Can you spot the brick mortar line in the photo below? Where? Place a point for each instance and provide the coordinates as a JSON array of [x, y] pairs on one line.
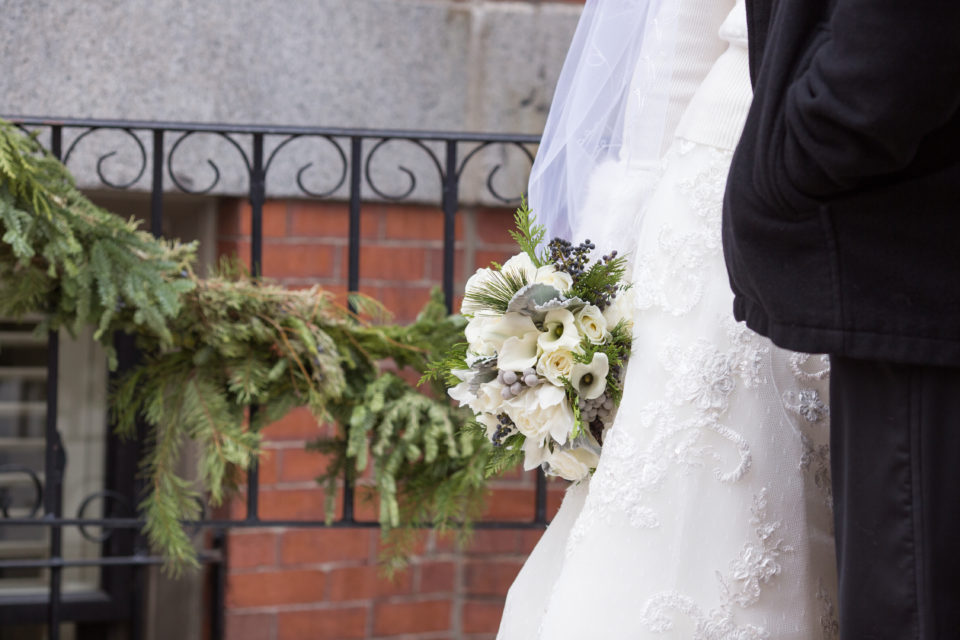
[[345, 604], [334, 565], [342, 240]]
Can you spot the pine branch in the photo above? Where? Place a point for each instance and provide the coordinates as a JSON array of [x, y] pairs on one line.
[[496, 293]]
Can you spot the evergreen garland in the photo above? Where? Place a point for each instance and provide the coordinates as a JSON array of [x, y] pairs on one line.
[[76, 264], [427, 468], [215, 347]]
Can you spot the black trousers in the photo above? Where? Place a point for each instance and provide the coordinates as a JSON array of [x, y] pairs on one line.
[[895, 448]]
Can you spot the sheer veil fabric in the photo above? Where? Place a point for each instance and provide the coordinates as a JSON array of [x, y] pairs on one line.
[[709, 516], [620, 61]]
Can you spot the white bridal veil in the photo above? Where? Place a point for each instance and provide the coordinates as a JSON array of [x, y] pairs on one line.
[[619, 63]]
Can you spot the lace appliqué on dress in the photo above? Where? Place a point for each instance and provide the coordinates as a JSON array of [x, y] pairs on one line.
[[807, 404], [829, 625], [686, 433], [673, 277], [756, 566]]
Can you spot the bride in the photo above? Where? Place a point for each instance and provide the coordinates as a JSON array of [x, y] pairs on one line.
[[709, 515]]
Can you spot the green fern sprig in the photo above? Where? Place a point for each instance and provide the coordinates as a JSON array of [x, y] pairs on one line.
[[529, 235]]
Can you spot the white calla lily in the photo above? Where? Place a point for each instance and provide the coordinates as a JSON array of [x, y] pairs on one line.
[[509, 325], [518, 353], [590, 380], [534, 454], [559, 331]]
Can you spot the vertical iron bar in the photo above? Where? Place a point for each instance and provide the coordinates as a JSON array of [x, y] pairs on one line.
[[156, 189], [219, 588], [56, 141], [353, 243], [353, 282], [540, 515], [257, 197], [451, 188], [138, 597], [55, 456], [53, 489]]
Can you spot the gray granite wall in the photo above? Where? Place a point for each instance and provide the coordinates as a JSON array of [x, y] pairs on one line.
[[466, 65]]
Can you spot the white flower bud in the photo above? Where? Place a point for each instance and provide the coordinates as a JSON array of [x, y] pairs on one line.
[[591, 323]]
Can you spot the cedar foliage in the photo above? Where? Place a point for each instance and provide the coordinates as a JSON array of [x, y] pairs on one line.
[[78, 265], [215, 347]]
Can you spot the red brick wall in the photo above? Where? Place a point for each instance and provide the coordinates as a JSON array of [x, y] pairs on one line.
[[297, 584]]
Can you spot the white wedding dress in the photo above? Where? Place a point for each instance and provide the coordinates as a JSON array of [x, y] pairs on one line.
[[709, 516]]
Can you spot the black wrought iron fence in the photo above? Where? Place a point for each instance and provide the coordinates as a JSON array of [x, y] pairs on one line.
[[35, 503]]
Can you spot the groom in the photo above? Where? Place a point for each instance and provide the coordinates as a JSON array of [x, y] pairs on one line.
[[841, 234]]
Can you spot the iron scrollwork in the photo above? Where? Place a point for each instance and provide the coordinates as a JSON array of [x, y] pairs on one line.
[[6, 500], [213, 165], [106, 156], [303, 169], [493, 172], [413, 178]]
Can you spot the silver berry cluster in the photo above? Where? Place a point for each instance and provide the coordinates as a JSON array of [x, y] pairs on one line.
[[600, 408], [513, 382]]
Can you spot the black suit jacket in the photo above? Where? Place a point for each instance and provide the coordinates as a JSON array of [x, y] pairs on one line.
[[841, 220]]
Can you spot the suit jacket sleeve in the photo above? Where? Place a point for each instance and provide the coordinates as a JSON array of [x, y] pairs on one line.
[[887, 74]]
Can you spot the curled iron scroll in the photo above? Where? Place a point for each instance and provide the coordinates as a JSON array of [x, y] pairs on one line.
[[106, 156], [118, 498], [6, 501], [493, 172], [213, 165], [316, 194], [410, 174]]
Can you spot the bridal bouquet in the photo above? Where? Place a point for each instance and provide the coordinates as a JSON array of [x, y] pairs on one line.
[[546, 345]]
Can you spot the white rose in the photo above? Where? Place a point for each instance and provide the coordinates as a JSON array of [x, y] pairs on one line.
[[541, 412], [476, 335], [475, 283], [591, 323], [621, 309], [521, 264], [572, 464], [559, 280], [555, 365], [487, 399], [560, 331]]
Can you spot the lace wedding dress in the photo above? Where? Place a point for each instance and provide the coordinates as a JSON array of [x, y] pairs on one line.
[[709, 516]]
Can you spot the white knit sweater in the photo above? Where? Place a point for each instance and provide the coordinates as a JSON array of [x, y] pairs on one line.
[[716, 112]]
